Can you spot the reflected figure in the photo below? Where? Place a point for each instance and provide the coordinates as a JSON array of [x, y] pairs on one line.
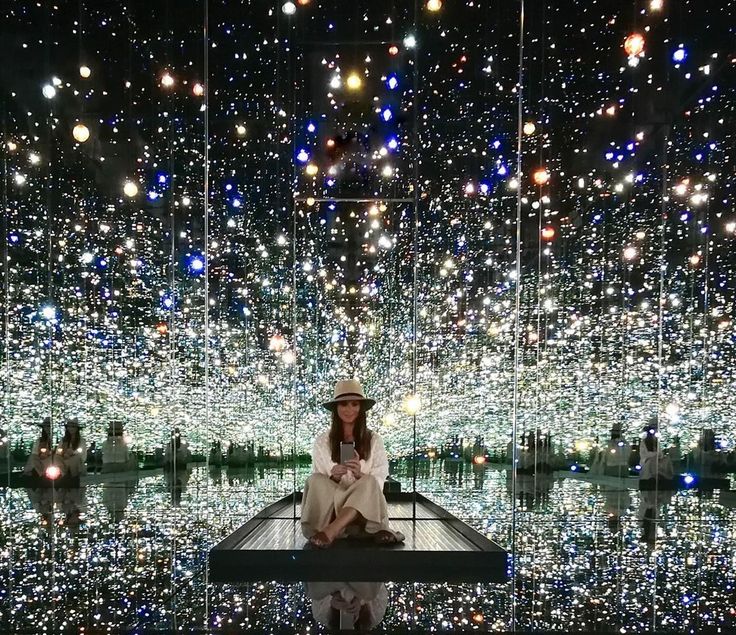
[[348, 605], [176, 482], [613, 459], [40, 458], [531, 490], [116, 457], [616, 503], [215, 457], [71, 455], [4, 448], [705, 459], [479, 475], [177, 453], [656, 467], [116, 496], [239, 456], [651, 505], [69, 500], [455, 470]]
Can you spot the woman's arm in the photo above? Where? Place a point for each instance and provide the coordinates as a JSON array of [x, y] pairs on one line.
[[322, 462]]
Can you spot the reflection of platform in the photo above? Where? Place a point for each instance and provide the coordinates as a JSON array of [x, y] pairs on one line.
[[438, 548]]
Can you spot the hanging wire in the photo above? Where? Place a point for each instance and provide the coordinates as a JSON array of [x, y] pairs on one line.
[[517, 303]]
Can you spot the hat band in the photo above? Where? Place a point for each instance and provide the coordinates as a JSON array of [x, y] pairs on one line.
[[349, 394]]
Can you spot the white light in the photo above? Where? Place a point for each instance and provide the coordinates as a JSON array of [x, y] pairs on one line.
[[335, 82], [48, 91], [410, 41], [87, 257], [85, 71], [130, 189], [19, 178], [630, 253], [34, 158], [48, 313], [167, 80], [289, 8]]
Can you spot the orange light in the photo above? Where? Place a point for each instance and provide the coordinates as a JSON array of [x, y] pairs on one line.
[[479, 460], [634, 44], [198, 89], [541, 176], [303, 3], [548, 233], [53, 472], [162, 328], [434, 5], [330, 143], [393, 50], [277, 343]]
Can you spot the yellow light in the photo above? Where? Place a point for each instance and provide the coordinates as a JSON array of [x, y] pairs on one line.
[[630, 253], [582, 446], [12, 146], [353, 82], [198, 89], [80, 132], [541, 176], [389, 419], [167, 81], [634, 44], [310, 201], [130, 189], [656, 5], [529, 128], [311, 169], [434, 5], [85, 71], [240, 129], [412, 404]]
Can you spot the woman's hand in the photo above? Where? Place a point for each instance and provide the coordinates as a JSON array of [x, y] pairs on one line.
[[354, 466], [338, 471]]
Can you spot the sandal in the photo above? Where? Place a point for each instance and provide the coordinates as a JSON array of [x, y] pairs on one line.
[[384, 537], [320, 540]]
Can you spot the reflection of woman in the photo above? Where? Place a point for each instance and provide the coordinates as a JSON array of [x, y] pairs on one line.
[[72, 452], [116, 456], [348, 605], [347, 498], [41, 453], [654, 463]]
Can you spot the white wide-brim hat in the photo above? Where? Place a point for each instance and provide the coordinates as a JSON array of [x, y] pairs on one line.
[[349, 390]]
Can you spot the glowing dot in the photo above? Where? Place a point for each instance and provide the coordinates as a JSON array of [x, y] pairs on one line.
[[167, 81], [80, 133], [34, 158], [85, 71], [240, 130], [392, 82], [470, 188], [656, 5], [529, 128], [434, 5], [412, 404], [289, 8], [130, 189], [19, 178], [48, 313], [630, 253], [679, 55], [277, 343], [311, 201], [335, 82], [410, 41], [196, 264], [387, 115], [198, 89], [353, 82], [634, 44], [695, 260], [393, 50], [541, 176], [548, 233], [48, 91], [53, 472], [311, 169], [303, 156]]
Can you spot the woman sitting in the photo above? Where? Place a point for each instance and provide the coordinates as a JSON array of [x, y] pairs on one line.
[[42, 452], [71, 455], [116, 456], [655, 465], [342, 498]]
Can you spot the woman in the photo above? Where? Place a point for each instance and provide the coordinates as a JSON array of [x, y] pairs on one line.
[[116, 456], [40, 458], [71, 455], [347, 498]]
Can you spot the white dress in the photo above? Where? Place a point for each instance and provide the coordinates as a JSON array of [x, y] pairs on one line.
[[377, 463]]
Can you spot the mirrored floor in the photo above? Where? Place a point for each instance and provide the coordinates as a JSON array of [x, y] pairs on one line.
[[132, 556]]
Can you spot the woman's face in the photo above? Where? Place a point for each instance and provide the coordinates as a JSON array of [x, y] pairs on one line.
[[348, 411]]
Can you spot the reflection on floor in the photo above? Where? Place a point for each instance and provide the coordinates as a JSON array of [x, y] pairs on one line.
[[132, 555]]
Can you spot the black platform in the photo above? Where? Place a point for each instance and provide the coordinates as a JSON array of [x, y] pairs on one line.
[[438, 548]]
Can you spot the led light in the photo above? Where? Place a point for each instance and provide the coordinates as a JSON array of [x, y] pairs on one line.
[[85, 71], [289, 8]]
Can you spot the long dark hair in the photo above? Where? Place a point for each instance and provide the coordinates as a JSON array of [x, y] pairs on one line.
[[361, 434], [69, 441], [44, 441]]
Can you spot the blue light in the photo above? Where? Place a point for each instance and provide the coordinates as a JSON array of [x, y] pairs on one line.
[[609, 155], [229, 187], [236, 202], [311, 127], [102, 263], [502, 171], [13, 238], [496, 144], [162, 179], [393, 143], [196, 264], [167, 302], [573, 468], [303, 156], [152, 195], [387, 115], [484, 188], [688, 479], [392, 82], [679, 55]]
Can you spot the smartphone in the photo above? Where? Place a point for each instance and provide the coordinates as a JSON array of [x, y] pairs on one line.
[[347, 451], [347, 621]]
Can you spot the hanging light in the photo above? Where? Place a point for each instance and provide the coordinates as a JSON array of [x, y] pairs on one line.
[[434, 5], [541, 176], [130, 189], [634, 44], [85, 71], [529, 128], [80, 133]]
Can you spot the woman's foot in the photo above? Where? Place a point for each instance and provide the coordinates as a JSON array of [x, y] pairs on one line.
[[384, 537], [320, 540]]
